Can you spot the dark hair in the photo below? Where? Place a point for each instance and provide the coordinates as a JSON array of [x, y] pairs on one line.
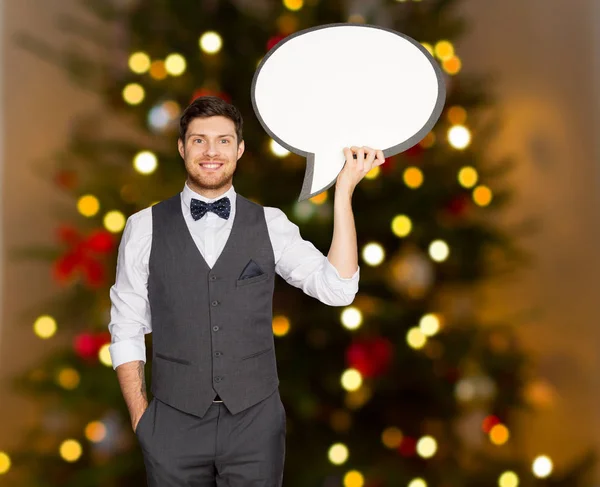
[[210, 106]]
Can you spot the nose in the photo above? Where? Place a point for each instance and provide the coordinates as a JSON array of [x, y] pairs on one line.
[[212, 149]]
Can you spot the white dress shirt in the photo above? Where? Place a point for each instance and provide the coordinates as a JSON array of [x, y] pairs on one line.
[[297, 261]]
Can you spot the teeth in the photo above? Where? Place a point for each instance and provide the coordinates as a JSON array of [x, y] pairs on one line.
[[211, 166]]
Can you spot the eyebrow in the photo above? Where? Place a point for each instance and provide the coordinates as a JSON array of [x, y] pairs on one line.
[[204, 135]]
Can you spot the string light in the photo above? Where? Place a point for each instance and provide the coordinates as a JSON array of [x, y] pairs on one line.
[[281, 325], [444, 50], [508, 479], [542, 466], [467, 177], [459, 136], [175, 64], [351, 379], [319, 199], [439, 250], [401, 225], [158, 70], [456, 115], [452, 65], [293, 5], [338, 453], [429, 324], [139, 62], [210, 42], [4, 462], [499, 434], [413, 177], [429, 48], [68, 378], [145, 162], [114, 221], [373, 254], [353, 478], [482, 195], [44, 326], [392, 437], [351, 318], [104, 355], [277, 149], [418, 482], [426, 446], [95, 431], [88, 205], [133, 93], [70, 450], [415, 338]]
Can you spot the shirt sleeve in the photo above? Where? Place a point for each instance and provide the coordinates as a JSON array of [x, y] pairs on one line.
[[130, 308], [304, 266]]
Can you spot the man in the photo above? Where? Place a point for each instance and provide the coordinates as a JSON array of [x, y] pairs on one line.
[[197, 270]]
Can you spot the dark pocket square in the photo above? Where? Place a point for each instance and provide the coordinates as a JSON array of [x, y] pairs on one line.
[[252, 269]]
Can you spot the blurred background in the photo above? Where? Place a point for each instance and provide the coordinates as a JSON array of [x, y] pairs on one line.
[[480, 282]]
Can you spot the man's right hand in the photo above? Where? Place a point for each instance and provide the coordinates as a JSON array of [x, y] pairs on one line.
[[133, 385], [136, 419]]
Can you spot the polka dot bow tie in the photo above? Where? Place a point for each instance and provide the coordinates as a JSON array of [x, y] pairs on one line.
[[221, 207]]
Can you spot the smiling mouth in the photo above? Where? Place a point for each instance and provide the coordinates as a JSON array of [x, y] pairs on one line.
[[210, 166]]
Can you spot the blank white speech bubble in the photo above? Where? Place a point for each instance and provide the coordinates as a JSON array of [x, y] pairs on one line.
[[338, 85]]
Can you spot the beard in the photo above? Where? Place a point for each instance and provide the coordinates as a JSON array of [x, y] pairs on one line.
[[208, 181]]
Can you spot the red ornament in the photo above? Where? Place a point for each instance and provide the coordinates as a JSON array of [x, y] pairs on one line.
[[208, 92], [489, 422], [66, 179], [408, 446], [101, 339], [371, 356], [274, 40], [388, 166], [458, 205], [83, 256], [85, 346]]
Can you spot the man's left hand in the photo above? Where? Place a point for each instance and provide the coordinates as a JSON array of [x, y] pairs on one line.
[[356, 169]]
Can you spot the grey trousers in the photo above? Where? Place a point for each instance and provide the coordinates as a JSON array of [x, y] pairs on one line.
[[242, 450]]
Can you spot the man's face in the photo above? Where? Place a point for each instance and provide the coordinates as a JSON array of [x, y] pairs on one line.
[[210, 140]]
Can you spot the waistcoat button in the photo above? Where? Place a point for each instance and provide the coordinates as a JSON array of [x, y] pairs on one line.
[[218, 354], [218, 378], [212, 278], [215, 328], [214, 303]]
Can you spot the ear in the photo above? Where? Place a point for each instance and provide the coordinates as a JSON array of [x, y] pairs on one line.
[[241, 148], [181, 148]]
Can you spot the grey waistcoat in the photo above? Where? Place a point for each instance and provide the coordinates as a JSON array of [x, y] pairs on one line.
[[212, 332]]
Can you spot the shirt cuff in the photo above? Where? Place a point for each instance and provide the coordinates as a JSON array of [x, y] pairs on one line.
[[127, 351], [349, 285]]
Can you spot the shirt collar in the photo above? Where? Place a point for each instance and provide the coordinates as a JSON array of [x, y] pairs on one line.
[[187, 194]]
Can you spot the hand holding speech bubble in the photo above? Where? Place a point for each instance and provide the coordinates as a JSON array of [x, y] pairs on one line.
[[341, 85]]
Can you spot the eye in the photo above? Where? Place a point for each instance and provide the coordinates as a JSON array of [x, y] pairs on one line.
[[196, 140], [226, 140]]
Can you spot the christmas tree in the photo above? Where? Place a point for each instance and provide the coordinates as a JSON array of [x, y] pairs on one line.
[[406, 386]]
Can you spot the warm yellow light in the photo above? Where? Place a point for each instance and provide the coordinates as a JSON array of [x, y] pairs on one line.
[[452, 65], [210, 42], [373, 254], [508, 479], [482, 195], [70, 450], [373, 173], [464, 390], [338, 453], [351, 379], [158, 70], [114, 221], [356, 19], [354, 479], [139, 62], [456, 115], [439, 250], [68, 378], [287, 23], [415, 338], [293, 5], [413, 177], [133, 93], [277, 149], [392, 437], [44, 326], [444, 50], [542, 466], [401, 225], [467, 177], [499, 434], [319, 199], [418, 482], [95, 431], [104, 355], [4, 462], [351, 318], [88, 205], [358, 398], [145, 162], [281, 325], [429, 324], [175, 64], [459, 136], [426, 446], [429, 48]]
